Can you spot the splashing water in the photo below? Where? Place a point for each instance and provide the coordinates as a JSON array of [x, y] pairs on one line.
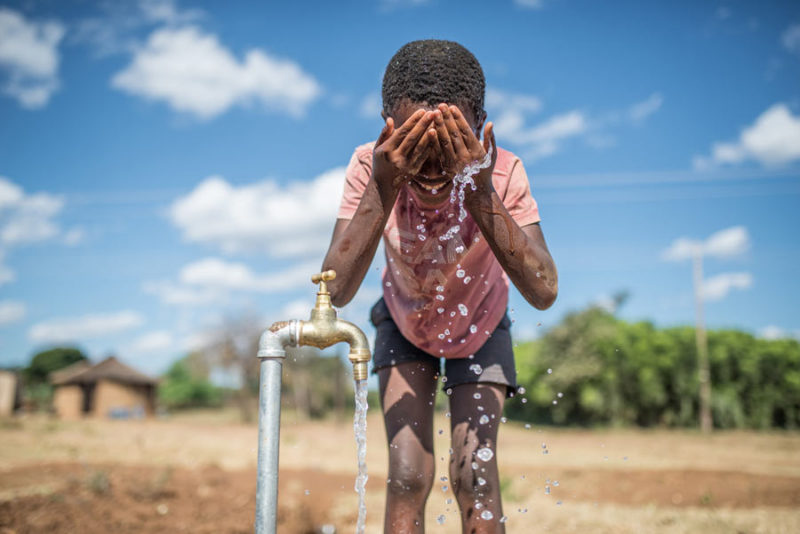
[[360, 428], [460, 182]]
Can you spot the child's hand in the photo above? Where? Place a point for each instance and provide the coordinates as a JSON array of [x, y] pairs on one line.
[[458, 146], [399, 153]]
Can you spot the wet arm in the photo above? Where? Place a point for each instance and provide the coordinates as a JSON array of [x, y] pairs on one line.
[[521, 251], [355, 241]]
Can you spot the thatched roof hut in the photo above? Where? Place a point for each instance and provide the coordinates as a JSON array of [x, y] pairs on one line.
[[107, 389]]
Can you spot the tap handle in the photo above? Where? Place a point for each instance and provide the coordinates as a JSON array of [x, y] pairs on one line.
[[325, 276]]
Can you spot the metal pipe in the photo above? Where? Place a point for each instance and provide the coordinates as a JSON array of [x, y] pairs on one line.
[[272, 351], [322, 330]]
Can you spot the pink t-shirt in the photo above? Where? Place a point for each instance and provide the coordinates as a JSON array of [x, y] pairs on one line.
[[446, 297]]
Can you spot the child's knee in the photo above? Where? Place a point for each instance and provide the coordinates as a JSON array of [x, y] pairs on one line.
[[410, 479]]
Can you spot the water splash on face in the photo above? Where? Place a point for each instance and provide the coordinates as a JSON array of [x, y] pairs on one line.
[[460, 182]]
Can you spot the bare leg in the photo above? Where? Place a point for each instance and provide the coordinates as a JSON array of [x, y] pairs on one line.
[[407, 393], [477, 490]]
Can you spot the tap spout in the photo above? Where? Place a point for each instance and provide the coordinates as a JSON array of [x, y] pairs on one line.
[[324, 330]]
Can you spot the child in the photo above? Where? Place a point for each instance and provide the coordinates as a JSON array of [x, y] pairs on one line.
[[446, 281]]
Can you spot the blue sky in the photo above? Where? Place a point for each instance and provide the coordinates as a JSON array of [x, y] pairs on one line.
[[167, 166]]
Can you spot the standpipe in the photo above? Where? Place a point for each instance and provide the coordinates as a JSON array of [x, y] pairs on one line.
[[322, 330]]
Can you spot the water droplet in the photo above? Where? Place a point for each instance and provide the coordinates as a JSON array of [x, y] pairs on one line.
[[476, 368], [485, 454], [560, 394], [440, 519], [524, 400], [443, 479], [447, 331], [439, 288], [307, 492], [484, 419], [476, 395], [503, 420], [441, 336], [555, 401], [452, 314], [441, 431], [478, 505], [449, 501], [473, 329], [487, 515], [474, 466], [538, 274], [388, 284], [547, 490], [459, 249], [463, 310], [555, 482], [444, 487], [439, 297], [549, 371], [527, 425], [421, 237], [481, 481], [440, 310], [503, 519], [521, 390], [460, 273]]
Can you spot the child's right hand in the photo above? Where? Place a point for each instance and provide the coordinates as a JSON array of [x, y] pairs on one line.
[[399, 153]]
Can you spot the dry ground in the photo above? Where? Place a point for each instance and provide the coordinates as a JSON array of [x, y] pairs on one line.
[[197, 474]]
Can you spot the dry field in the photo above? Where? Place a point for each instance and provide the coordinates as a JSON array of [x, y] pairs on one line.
[[197, 474]]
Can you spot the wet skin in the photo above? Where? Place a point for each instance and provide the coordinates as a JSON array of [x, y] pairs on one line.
[[417, 144], [423, 148]]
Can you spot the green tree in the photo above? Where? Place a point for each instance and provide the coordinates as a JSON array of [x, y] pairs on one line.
[[45, 362], [181, 388]]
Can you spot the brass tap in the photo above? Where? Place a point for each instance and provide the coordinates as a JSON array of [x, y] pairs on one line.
[[324, 328]]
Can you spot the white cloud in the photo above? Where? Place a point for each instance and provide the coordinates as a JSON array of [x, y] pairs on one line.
[[171, 293], [84, 327], [296, 219], [530, 4], [772, 332], [153, 341], [220, 274], [511, 114], [773, 139], [540, 140], [194, 73], [371, 106], [167, 11], [29, 57], [11, 311], [641, 110], [212, 280], [725, 243], [74, 236], [717, 287], [26, 218], [791, 38]]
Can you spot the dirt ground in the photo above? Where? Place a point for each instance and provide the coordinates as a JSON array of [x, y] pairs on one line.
[[197, 474]]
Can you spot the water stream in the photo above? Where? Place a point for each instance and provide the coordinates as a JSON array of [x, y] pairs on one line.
[[360, 428]]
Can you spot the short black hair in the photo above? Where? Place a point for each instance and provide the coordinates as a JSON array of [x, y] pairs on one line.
[[433, 71]]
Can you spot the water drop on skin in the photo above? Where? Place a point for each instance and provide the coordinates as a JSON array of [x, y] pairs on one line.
[[467, 279], [549, 371], [481, 481], [473, 329], [484, 419], [460, 273], [463, 310], [476, 396], [440, 519], [485, 454], [486, 515], [476, 368]]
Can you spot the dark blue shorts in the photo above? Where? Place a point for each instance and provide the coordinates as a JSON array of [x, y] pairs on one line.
[[495, 357]]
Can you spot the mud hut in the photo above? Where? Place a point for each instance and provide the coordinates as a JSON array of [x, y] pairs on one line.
[[107, 389]]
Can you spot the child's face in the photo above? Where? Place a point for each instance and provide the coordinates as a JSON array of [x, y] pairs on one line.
[[431, 186]]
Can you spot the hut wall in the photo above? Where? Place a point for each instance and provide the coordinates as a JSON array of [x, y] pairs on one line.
[[114, 398], [68, 402], [8, 392]]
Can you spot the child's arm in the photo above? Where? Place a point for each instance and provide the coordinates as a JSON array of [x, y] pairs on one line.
[[398, 153], [522, 252]]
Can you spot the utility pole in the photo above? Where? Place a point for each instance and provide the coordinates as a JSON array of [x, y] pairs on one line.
[[703, 373]]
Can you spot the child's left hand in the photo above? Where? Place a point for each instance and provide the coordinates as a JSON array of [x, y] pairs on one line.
[[458, 146]]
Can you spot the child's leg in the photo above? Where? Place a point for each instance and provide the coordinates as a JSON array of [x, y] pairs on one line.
[[477, 490], [408, 392]]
